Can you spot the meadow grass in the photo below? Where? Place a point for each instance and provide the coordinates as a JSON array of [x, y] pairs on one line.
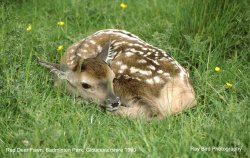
[[199, 34]]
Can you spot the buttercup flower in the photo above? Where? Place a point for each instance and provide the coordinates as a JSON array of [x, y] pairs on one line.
[[217, 69], [123, 5], [60, 23], [26, 142], [229, 85], [29, 28], [59, 48]]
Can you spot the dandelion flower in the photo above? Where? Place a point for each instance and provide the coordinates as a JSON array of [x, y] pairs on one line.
[[217, 69], [59, 48], [60, 23], [123, 5], [29, 28], [229, 85]]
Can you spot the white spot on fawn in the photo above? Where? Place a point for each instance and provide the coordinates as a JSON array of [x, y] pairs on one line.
[[128, 54], [138, 45], [138, 79], [132, 50], [166, 74], [142, 61], [144, 72], [118, 43], [151, 67], [157, 79], [150, 81], [155, 62], [165, 54], [160, 71], [99, 48], [123, 67], [92, 42], [72, 51], [86, 45], [118, 63], [182, 74], [79, 54], [83, 50], [133, 70], [120, 71]]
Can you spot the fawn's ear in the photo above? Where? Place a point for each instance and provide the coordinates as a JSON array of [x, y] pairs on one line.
[[59, 70], [105, 51]]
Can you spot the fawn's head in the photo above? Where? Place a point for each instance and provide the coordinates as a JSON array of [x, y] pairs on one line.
[[91, 79]]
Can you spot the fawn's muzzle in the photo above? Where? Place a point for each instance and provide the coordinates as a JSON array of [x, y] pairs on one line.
[[112, 100], [112, 103]]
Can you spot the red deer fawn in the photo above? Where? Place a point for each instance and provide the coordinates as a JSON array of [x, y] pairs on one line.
[[126, 75]]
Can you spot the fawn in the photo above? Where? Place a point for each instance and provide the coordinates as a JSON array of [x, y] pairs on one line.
[[126, 75]]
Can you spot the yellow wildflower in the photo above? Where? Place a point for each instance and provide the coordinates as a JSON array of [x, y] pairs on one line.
[[59, 48], [29, 28], [123, 5], [229, 85], [217, 69], [60, 23]]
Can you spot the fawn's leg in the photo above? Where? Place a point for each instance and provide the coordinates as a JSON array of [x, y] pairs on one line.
[[138, 108], [136, 100], [176, 96]]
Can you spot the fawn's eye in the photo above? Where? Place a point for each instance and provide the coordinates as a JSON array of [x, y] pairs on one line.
[[86, 86]]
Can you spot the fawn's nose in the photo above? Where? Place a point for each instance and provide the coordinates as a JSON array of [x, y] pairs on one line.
[[112, 100], [114, 105]]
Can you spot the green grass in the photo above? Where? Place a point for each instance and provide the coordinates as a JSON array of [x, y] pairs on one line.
[[199, 34]]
